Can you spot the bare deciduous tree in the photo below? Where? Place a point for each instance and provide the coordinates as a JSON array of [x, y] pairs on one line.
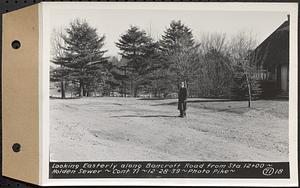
[[215, 76], [241, 47], [57, 53], [215, 41]]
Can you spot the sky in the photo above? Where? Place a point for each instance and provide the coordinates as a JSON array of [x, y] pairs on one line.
[[113, 23]]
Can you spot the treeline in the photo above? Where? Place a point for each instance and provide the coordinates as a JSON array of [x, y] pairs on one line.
[[212, 66]]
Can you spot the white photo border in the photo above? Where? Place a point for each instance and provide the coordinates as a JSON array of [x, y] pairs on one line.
[[45, 9]]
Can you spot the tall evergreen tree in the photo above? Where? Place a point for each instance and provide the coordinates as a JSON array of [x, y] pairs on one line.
[[180, 52], [176, 37], [137, 48], [85, 55]]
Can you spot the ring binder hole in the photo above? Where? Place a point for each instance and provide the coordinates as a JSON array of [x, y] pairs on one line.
[[16, 147], [16, 44]]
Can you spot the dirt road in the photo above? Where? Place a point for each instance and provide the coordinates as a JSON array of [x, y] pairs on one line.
[[108, 129]]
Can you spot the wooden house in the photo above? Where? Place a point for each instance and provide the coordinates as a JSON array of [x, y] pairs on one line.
[[272, 62]]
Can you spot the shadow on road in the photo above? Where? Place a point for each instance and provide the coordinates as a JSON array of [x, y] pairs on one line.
[[151, 99], [195, 101], [67, 98], [144, 116], [237, 110]]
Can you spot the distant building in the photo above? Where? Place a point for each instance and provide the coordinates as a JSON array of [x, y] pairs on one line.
[[272, 61]]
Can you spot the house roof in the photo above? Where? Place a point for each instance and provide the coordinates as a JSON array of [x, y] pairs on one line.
[[274, 50], [283, 27]]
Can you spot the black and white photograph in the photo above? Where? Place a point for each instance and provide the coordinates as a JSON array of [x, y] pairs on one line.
[[169, 85]]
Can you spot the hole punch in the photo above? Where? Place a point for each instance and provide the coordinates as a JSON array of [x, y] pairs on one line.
[[16, 44], [16, 147]]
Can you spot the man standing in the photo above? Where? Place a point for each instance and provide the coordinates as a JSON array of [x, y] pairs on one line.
[[182, 96]]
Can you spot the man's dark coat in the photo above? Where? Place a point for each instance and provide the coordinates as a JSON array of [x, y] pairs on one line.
[[182, 96]]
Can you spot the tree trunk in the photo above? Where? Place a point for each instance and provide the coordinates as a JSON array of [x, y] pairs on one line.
[[62, 88], [81, 88], [122, 89], [84, 91], [124, 85], [249, 91], [131, 88], [135, 93], [155, 93]]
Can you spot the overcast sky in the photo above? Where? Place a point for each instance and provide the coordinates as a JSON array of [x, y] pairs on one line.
[[113, 23]]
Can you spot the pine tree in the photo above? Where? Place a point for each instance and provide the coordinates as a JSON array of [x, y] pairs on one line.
[[84, 56], [180, 51], [176, 37], [138, 49]]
